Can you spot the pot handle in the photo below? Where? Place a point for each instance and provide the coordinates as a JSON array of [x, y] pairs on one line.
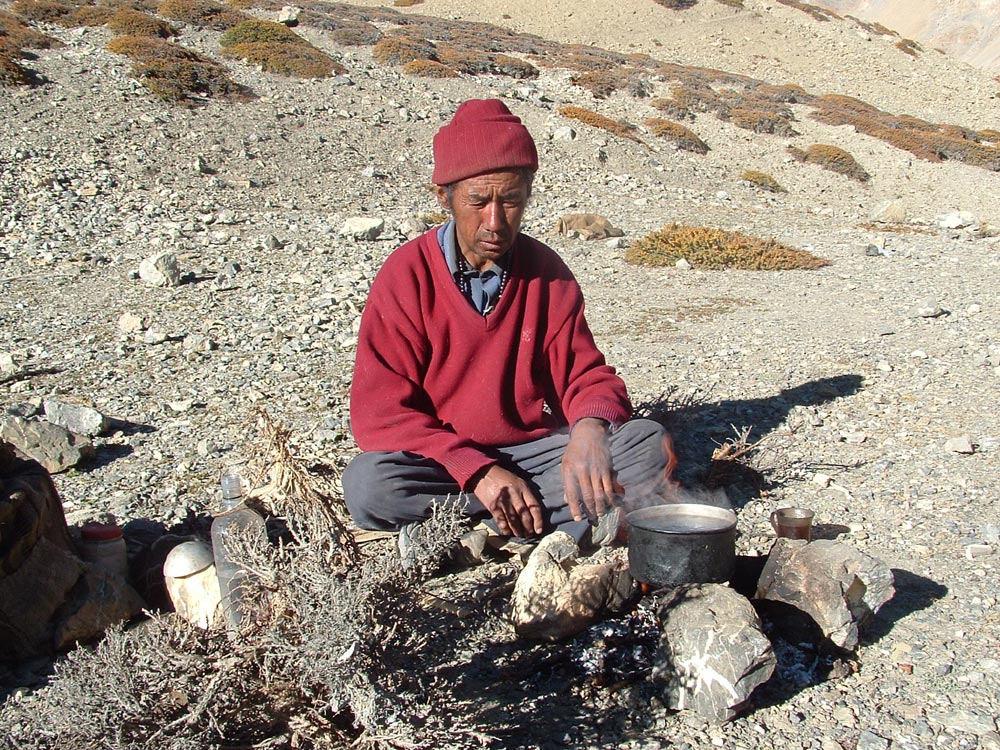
[[774, 522]]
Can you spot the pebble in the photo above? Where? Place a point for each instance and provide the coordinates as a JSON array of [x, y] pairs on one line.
[[868, 740], [960, 444]]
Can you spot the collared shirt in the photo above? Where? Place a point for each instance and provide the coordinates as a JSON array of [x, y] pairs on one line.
[[481, 288]]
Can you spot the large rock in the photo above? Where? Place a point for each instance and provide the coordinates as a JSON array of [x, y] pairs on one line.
[[836, 585], [362, 228], [49, 597], [713, 652], [160, 270], [54, 447], [555, 597], [79, 419]]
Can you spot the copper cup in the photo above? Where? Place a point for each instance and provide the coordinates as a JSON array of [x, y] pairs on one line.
[[793, 523]]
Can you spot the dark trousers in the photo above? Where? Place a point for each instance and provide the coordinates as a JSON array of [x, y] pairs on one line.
[[386, 490]]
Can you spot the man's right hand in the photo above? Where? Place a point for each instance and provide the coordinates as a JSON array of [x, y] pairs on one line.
[[510, 501]]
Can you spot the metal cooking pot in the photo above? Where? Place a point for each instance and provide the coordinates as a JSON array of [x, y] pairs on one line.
[[677, 543]]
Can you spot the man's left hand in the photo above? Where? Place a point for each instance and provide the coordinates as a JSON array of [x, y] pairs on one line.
[[588, 477]]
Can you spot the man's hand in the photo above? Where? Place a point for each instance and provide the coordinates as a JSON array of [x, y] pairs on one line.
[[588, 479], [510, 501]]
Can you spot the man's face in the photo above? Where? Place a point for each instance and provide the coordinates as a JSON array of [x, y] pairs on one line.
[[487, 210]]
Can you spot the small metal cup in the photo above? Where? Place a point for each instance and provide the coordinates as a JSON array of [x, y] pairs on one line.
[[793, 523]]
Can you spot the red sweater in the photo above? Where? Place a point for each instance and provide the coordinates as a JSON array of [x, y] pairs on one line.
[[434, 377]]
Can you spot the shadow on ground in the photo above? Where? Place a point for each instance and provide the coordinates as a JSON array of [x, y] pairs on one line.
[[698, 428]]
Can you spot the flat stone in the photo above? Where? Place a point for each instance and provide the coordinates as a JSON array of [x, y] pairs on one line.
[[927, 308], [587, 227], [973, 722], [712, 653], [870, 741], [837, 586], [130, 322]]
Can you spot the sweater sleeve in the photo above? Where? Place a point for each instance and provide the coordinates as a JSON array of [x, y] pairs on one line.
[[390, 410], [587, 385]]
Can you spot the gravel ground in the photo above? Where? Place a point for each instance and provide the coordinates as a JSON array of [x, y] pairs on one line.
[[857, 392]]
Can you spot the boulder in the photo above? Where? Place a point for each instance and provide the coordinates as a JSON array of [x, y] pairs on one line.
[[52, 446], [712, 652], [836, 585], [362, 228], [160, 270], [555, 597], [49, 597], [78, 419]]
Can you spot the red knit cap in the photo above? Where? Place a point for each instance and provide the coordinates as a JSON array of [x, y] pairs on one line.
[[483, 136]]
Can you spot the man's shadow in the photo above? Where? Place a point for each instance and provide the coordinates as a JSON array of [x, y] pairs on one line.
[[700, 428]]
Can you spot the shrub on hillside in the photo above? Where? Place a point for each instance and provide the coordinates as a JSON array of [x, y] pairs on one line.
[[128, 21], [15, 37], [677, 4], [43, 11], [12, 73], [909, 46], [709, 248], [90, 15], [202, 13], [762, 180], [832, 158], [760, 121], [820, 14], [254, 30], [682, 137], [479, 63], [175, 73], [603, 83], [672, 108], [406, 3], [620, 129], [300, 60], [400, 49], [429, 69]]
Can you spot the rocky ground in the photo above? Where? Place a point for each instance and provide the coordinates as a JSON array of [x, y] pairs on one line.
[[874, 380]]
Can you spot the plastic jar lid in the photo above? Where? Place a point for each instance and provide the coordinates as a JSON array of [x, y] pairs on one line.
[[100, 532]]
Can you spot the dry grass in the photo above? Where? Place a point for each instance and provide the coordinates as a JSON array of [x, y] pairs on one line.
[[128, 21], [672, 108], [709, 248], [594, 120], [762, 180], [478, 63], [175, 73], [91, 15], [832, 158], [15, 38], [761, 121], [406, 3], [603, 83], [205, 14], [682, 137]]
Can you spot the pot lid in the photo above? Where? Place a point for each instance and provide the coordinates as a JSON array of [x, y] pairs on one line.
[[683, 518]]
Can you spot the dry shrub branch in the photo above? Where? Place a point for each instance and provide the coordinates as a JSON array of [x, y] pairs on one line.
[[329, 658]]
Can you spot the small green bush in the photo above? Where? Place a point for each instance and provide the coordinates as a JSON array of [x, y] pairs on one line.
[[832, 158], [128, 21], [762, 180], [684, 138], [708, 248], [594, 120]]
